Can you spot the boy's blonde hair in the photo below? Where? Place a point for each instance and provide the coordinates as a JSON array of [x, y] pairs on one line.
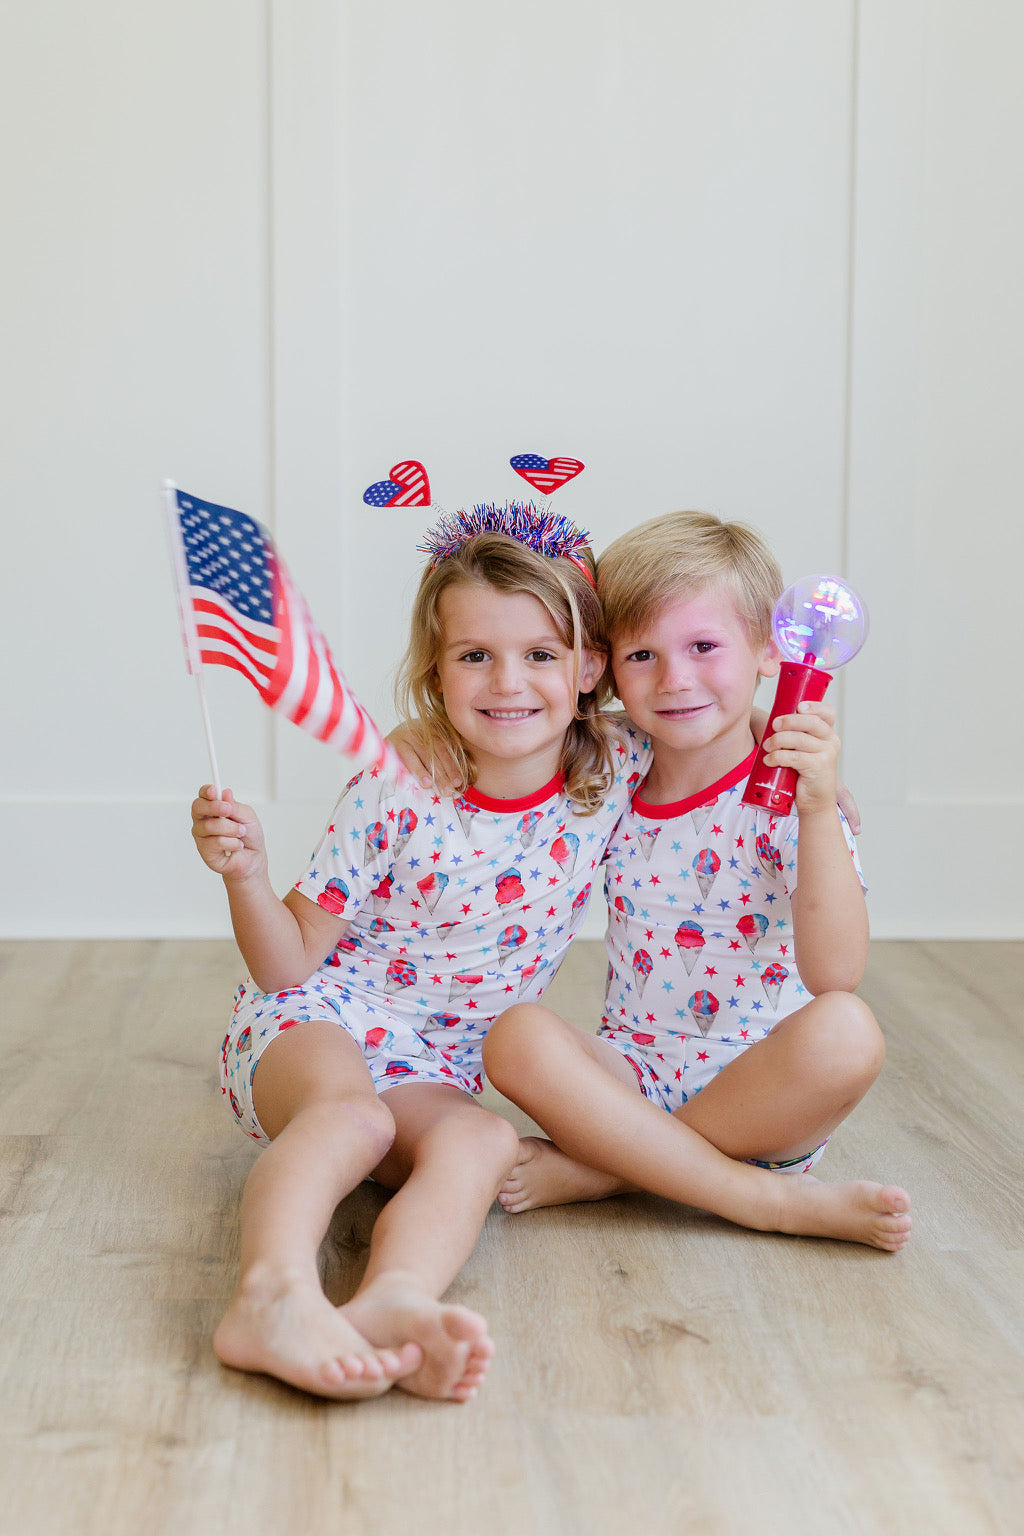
[[501, 562], [676, 555]]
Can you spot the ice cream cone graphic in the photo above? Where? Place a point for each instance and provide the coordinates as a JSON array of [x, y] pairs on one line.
[[444, 929], [565, 851], [431, 888], [527, 826], [508, 887], [706, 866], [622, 907], [768, 855], [510, 939], [643, 965], [700, 814], [400, 974], [773, 980], [333, 896], [579, 901], [441, 1021], [529, 973], [376, 841], [689, 942], [407, 820], [381, 894], [465, 810], [463, 982], [378, 1040], [647, 837], [704, 1007], [379, 926], [752, 926]]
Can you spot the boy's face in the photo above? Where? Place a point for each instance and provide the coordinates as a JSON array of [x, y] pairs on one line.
[[688, 678]]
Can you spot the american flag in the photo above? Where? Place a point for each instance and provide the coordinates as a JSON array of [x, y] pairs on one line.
[[240, 609], [545, 475]]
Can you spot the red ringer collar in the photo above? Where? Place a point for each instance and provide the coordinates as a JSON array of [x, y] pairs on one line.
[[489, 803], [678, 807]]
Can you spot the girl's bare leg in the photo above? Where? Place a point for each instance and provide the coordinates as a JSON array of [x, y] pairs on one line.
[[315, 1098], [596, 1117], [448, 1161]]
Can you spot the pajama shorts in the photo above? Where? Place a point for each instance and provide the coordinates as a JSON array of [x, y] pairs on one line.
[[691, 1061], [393, 1050]]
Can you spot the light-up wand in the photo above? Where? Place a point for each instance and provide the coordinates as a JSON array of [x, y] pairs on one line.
[[819, 622]]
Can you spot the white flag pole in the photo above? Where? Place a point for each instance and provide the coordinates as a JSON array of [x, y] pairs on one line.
[[186, 614]]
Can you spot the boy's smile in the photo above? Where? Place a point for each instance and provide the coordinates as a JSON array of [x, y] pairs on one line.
[[687, 679]]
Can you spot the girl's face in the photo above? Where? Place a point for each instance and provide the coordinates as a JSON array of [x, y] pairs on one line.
[[505, 675]]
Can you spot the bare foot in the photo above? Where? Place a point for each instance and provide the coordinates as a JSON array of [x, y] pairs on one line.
[[543, 1175], [858, 1212], [455, 1345], [284, 1326]]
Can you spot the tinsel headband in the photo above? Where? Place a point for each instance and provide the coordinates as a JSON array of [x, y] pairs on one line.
[[547, 532]]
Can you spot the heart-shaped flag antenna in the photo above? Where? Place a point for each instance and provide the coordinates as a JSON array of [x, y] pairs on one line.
[[407, 486], [546, 475]]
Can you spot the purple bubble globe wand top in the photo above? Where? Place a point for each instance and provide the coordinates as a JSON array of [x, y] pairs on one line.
[[819, 622]]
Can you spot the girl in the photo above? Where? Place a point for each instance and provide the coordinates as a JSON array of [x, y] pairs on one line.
[[355, 1047]]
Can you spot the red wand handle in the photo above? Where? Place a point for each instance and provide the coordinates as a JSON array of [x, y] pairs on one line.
[[773, 788]]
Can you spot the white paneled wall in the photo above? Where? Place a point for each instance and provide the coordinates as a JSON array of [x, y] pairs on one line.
[[759, 257]]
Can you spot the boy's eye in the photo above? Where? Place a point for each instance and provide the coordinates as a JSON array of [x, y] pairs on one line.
[[542, 655], [704, 647], [640, 655]]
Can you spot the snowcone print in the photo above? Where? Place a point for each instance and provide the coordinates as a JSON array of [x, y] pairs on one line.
[[706, 866], [700, 813], [632, 784], [565, 851], [377, 1040], [511, 938], [579, 905], [768, 855], [353, 781], [376, 841], [753, 926], [509, 887], [643, 965], [380, 926], [463, 982], [647, 837], [530, 973], [333, 896], [440, 1021], [244, 1041], [431, 887], [527, 826], [704, 1006], [381, 894], [465, 810], [444, 929], [400, 974], [623, 907], [773, 980], [407, 820], [689, 942]]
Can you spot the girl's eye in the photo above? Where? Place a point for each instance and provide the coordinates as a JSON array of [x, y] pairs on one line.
[[705, 647], [639, 656], [474, 656], [542, 656]]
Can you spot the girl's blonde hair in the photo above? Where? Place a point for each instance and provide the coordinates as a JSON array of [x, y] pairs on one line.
[[501, 562], [678, 554]]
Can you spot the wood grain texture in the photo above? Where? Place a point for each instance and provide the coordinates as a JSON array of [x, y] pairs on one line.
[[658, 1371]]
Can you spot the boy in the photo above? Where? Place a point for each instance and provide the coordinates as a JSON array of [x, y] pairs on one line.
[[735, 940]]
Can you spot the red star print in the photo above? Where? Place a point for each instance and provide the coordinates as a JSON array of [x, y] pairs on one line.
[[709, 970], [744, 898], [735, 944], [436, 799], [435, 857], [470, 1003], [739, 982], [702, 1055], [655, 879], [551, 912], [466, 909], [679, 1075], [744, 1034], [739, 842], [618, 879], [436, 980], [650, 1018], [552, 879], [717, 831], [649, 932], [509, 989], [665, 955], [374, 772], [783, 949], [391, 815]]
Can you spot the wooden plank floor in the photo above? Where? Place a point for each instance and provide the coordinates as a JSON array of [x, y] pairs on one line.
[[658, 1371]]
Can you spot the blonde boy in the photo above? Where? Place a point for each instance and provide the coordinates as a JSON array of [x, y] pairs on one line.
[[736, 939]]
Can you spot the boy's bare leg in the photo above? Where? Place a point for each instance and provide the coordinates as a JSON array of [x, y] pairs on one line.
[[314, 1096], [449, 1159], [596, 1118]]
